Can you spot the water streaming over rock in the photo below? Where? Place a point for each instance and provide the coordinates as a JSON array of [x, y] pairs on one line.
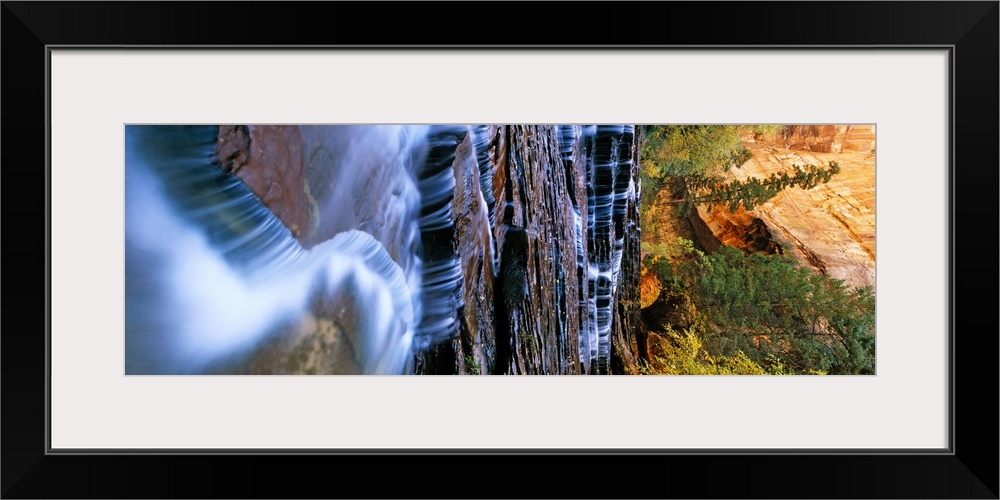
[[396, 261], [442, 268], [211, 272]]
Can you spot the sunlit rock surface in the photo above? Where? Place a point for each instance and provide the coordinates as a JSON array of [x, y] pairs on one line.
[[823, 138], [830, 227]]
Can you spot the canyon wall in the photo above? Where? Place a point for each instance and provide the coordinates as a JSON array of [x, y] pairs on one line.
[[516, 209], [821, 138], [830, 227]]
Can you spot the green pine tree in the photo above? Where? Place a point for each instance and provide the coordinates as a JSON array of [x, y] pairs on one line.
[[748, 193]]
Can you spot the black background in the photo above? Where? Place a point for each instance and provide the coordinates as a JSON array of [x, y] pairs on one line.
[[971, 472]]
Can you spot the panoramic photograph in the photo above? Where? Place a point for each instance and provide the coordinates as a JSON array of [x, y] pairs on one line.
[[499, 249]]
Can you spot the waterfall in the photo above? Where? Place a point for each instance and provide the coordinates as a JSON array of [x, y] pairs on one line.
[[217, 282], [442, 268], [623, 178], [210, 272], [610, 145], [482, 143]]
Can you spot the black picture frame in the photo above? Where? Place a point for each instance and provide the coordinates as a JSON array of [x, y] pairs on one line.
[[968, 470]]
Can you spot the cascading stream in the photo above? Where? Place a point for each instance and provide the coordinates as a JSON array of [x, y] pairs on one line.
[[211, 272], [217, 283]]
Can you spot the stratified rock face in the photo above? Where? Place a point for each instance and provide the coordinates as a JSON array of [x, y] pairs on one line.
[[472, 213], [823, 138], [741, 229], [628, 342], [830, 227], [552, 303], [525, 240], [540, 287]]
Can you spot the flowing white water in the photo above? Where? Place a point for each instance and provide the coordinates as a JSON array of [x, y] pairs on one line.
[[606, 146], [210, 271], [212, 274]]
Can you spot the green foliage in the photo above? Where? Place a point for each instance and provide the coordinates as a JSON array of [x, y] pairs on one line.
[[684, 354], [660, 255], [783, 318], [671, 150], [689, 161], [527, 341], [771, 309], [681, 150], [471, 367], [732, 312], [702, 190], [667, 251]]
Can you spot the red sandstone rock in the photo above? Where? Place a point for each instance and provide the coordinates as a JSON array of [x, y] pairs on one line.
[[830, 227], [823, 138], [268, 158]]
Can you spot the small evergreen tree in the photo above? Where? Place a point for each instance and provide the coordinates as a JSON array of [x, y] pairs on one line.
[[705, 190], [774, 311]]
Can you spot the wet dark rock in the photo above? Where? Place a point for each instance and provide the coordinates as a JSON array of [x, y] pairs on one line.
[[320, 180], [470, 347], [542, 312], [472, 212], [512, 288], [528, 243], [233, 149], [628, 339], [545, 323], [268, 159], [437, 335]]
